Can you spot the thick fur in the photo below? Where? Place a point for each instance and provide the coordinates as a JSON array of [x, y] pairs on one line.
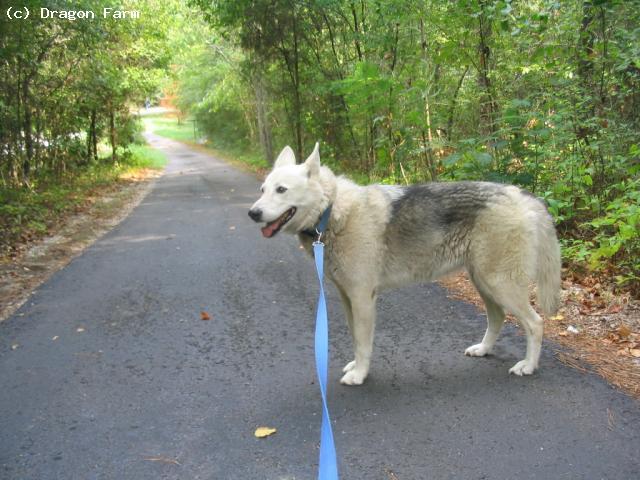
[[387, 236]]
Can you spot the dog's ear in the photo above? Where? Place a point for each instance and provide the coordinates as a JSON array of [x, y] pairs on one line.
[[313, 162], [286, 157]]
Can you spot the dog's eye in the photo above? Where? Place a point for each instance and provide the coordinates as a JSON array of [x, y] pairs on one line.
[[262, 189], [281, 189]]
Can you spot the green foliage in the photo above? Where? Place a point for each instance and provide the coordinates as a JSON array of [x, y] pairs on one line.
[[542, 94], [26, 213], [30, 212], [212, 89], [615, 234], [67, 85]]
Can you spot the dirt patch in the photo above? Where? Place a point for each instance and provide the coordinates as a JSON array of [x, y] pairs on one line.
[[596, 330], [33, 262]]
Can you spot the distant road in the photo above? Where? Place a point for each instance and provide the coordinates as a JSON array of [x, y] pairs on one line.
[[108, 371], [143, 112]]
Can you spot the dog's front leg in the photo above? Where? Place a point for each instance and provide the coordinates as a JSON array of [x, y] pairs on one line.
[[363, 311]]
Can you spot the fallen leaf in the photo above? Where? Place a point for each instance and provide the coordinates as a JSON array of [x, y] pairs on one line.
[[615, 309], [624, 331], [635, 352], [563, 334], [204, 316], [262, 432], [558, 317]]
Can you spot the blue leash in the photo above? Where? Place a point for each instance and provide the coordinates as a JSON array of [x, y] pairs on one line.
[[328, 465]]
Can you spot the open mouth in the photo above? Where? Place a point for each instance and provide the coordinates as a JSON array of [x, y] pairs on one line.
[[271, 228]]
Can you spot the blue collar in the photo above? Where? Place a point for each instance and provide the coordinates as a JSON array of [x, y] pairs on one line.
[[321, 226]]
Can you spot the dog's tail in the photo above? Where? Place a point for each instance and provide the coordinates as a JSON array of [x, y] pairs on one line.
[[548, 270]]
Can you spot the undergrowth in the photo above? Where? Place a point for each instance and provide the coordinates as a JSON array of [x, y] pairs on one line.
[[27, 213]]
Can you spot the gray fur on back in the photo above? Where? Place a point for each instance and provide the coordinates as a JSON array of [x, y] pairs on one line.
[[442, 205], [430, 225]]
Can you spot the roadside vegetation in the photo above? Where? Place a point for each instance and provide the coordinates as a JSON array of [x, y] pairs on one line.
[[30, 213], [542, 94], [69, 91]]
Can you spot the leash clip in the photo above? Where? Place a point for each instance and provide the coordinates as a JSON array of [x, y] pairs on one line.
[[322, 225]]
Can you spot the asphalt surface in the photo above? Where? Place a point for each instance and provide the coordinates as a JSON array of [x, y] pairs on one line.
[[108, 372]]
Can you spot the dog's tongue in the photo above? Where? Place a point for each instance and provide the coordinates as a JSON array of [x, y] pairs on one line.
[[270, 229]]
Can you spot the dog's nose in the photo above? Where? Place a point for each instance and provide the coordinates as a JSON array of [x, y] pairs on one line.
[[255, 214]]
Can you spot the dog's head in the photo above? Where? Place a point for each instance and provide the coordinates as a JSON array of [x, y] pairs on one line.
[[292, 195]]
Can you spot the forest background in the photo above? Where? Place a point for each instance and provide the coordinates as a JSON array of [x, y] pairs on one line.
[[543, 94]]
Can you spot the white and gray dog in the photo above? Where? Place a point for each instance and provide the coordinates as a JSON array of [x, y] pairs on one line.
[[381, 236]]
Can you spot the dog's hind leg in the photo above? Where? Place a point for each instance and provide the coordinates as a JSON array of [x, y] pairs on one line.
[[516, 301], [500, 294], [533, 327], [495, 320], [363, 308]]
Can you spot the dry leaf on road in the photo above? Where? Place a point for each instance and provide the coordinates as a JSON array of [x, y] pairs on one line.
[[262, 432], [204, 316]]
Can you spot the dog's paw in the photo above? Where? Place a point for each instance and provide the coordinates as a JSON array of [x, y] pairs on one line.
[[353, 377], [478, 350], [523, 367], [349, 366]]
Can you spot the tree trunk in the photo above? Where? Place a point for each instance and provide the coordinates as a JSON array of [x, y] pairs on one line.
[[292, 62], [452, 105], [297, 105], [112, 133], [488, 107], [586, 40], [356, 30], [94, 135], [264, 128], [428, 142], [28, 137]]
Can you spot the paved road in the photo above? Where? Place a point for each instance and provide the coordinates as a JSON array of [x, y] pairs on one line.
[[147, 390]]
